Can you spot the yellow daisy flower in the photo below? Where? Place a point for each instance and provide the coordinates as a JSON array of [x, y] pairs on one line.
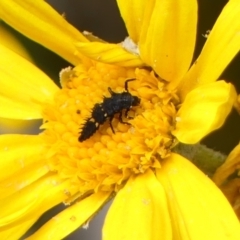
[[158, 193]]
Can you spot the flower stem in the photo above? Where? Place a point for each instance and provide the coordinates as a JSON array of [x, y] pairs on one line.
[[204, 158]]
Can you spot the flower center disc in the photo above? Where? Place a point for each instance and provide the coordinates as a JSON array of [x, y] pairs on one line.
[[106, 160]]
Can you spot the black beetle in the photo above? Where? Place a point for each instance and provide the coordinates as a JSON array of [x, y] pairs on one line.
[[110, 106]]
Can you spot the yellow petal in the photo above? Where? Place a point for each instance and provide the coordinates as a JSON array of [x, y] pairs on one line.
[[197, 207], [133, 12], [27, 200], [41, 23], [18, 152], [228, 167], [109, 53], [16, 230], [139, 211], [23, 87], [222, 45], [165, 32], [49, 197], [23, 178], [204, 110], [10, 39], [71, 218]]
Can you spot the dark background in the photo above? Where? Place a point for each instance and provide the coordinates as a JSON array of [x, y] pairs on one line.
[[102, 18]]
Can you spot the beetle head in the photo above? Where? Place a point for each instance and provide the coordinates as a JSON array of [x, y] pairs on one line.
[[136, 101]]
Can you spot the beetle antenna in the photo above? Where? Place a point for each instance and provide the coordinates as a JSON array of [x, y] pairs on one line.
[[127, 81]]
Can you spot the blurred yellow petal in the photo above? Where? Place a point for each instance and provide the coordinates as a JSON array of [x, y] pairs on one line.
[[204, 110], [17, 229], [23, 87], [237, 104], [18, 152], [28, 199], [231, 165], [165, 32], [49, 198], [194, 202], [139, 211], [71, 218], [222, 45], [109, 53], [10, 40], [23, 178], [41, 23]]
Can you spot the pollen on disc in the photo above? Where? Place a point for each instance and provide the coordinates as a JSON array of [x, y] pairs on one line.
[[98, 146], [111, 145], [105, 139], [122, 127], [73, 152], [91, 152], [122, 147], [72, 126], [117, 137], [66, 118], [66, 136], [59, 128], [124, 137], [83, 152]]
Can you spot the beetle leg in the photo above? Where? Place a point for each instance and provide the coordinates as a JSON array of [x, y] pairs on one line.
[[121, 121], [126, 114], [111, 91], [110, 122]]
